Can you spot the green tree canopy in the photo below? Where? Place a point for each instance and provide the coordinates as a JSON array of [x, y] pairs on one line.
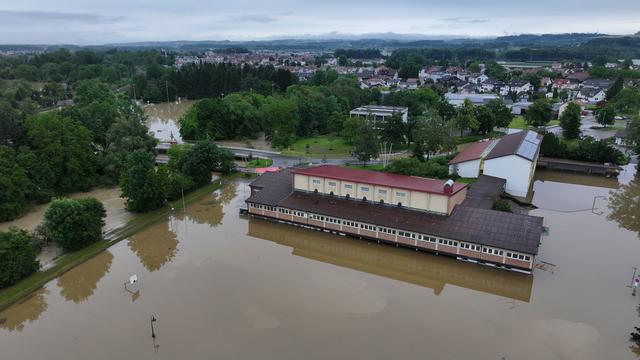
[[143, 186], [539, 114], [466, 117], [570, 121], [606, 115], [14, 185], [366, 143], [18, 252], [75, 223], [202, 159], [64, 153], [281, 119]]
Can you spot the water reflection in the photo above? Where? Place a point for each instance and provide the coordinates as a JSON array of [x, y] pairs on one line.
[[400, 264], [577, 179], [156, 245], [209, 210], [29, 309], [79, 283], [163, 119], [625, 205]]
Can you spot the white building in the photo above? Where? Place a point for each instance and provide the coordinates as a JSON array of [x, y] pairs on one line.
[[468, 163], [476, 99], [379, 112], [513, 158]]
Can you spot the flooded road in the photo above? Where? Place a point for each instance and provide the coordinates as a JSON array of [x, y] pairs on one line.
[[163, 119], [226, 286]]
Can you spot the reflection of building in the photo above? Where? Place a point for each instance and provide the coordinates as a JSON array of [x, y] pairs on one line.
[[434, 217], [380, 113], [398, 264]]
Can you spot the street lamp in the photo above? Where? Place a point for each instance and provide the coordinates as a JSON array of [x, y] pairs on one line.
[[153, 333]]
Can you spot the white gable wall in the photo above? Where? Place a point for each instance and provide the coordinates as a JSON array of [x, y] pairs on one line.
[[466, 169], [516, 170]]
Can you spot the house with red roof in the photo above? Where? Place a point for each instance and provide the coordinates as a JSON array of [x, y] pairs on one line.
[[468, 162]]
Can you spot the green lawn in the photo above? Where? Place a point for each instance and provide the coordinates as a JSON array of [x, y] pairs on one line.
[[608, 128], [519, 123], [258, 163], [331, 146]]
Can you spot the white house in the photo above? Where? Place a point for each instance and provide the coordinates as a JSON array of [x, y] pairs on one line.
[[476, 99], [468, 162], [514, 159], [592, 95]]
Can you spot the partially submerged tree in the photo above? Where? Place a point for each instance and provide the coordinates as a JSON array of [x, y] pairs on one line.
[[75, 223]]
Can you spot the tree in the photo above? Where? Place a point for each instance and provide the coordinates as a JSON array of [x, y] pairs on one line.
[[486, 119], [281, 120], [14, 185], [127, 134], [366, 143], [615, 88], [143, 186], [539, 114], [501, 113], [12, 131], [634, 134], [64, 153], [202, 159], [18, 253], [392, 130], [606, 115], [75, 223], [570, 121], [466, 117], [431, 135], [628, 101]]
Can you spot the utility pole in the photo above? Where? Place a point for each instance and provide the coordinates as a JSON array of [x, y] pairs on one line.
[[153, 332]]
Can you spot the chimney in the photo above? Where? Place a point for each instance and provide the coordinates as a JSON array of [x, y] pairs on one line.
[[448, 187]]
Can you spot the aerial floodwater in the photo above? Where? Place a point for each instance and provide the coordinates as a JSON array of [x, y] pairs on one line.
[[162, 119], [223, 285]]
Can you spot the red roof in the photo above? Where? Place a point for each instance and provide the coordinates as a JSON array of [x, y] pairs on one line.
[[412, 183], [471, 152]]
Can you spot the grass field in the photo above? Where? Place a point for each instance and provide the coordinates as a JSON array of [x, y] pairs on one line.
[[331, 146], [258, 163], [519, 123]]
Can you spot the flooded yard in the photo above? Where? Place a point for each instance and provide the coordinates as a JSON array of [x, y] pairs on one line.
[[163, 119], [226, 286]]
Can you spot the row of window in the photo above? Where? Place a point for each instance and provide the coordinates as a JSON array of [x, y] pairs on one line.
[[406, 234], [448, 242], [471, 247], [518, 256], [362, 188], [492, 251]]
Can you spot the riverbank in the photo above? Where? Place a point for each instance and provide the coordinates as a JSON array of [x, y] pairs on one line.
[[66, 262]]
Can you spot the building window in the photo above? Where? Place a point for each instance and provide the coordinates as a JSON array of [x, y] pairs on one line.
[[332, 183], [382, 192], [364, 189], [400, 194], [316, 182], [348, 186]]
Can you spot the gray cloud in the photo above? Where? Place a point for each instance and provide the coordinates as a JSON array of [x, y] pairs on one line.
[[12, 16]]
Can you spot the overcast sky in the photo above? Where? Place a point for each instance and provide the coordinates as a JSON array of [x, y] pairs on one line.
[[109, 21]]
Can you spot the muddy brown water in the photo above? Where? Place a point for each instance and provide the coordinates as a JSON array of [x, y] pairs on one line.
[[162, 119], [225, 286]]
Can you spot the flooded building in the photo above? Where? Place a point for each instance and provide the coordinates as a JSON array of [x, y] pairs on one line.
[[513, 157], [424, 214], [380, 113]]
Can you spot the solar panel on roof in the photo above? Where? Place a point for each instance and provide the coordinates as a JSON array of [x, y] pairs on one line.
[[532, 137], [527, 150]]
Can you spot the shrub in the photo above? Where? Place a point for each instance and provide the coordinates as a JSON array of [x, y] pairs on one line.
[[502, 205], [18, 252], [75, 223]]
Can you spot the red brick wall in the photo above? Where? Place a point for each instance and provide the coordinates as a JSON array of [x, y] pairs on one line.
[[407, 241], [493, 258], [447, 249], [368, 233], [315, 222], [469, 253], [387, 237], [518, 263]]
